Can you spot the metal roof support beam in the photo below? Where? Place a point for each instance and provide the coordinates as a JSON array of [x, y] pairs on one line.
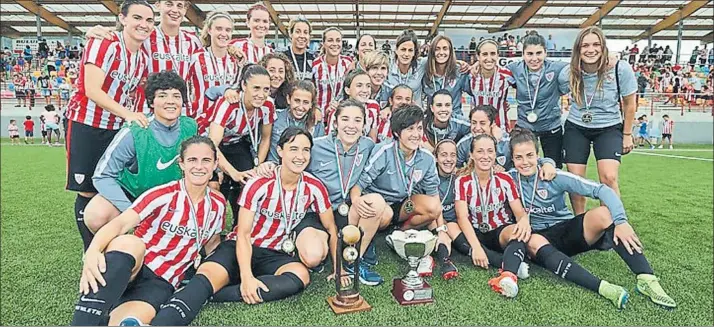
[[668, 22], [709, 38], [37, 9], [112, 6], [275, 17], [598, 15], [444, 8], [522, 16], [195, 15]]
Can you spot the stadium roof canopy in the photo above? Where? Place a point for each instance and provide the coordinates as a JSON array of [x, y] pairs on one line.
[[621, 19]]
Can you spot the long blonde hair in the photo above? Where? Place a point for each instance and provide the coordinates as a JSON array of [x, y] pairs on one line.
[[208, 23], [577, 88], [470, 166]]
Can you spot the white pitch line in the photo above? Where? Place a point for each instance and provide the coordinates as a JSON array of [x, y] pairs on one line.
[[675, 150], [672, 156]]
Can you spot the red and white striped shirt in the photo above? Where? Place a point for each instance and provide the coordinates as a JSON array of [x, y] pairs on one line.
[[169, 230], [206, 71], [121, 79], [166, 52], [502, 191], [371, 122], [253, 53], [232, 118], [667, 126], [493, 91], [261, 195], [329, 80]]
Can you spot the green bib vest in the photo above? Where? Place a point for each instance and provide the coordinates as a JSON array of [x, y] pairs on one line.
[[157, 164]]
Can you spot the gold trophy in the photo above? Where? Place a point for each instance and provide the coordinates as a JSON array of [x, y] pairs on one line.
[[348, 299]]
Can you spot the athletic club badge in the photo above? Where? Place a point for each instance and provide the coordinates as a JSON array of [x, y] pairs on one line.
[[417, 175], [79, 178], [542, 193], [358, 159], [501, 160], [549, 76]]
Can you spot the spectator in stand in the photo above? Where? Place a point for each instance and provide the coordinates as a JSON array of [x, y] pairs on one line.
[[43, 50], [519, 45], [667, 54], [706, 97], [27, 54], [29, 126], [642, 82], [645, 52], [550, 44], [19, 84], [703, 55], [693, 57], [45, 88], [472, 50], [633, 54], [711, 56], [386, 47]]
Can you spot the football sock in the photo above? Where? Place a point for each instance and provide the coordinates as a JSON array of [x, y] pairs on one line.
[[184, 305], [495, 259], [79, 204], [441, 252], [636, 261], [93, 309], [562, 265], [513, 255], [279, 287]]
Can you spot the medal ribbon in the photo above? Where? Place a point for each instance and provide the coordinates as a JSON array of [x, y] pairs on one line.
[[129, 68], [537, 87], [535, 186], [345, 185], [483, 197], [253, 138], [194, 216], [451, 182], [288, 211], [401, 169], [179, 48], [304, 64]]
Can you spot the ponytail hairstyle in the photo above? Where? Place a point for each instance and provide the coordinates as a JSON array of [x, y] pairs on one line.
[[295, 21], [248, 71], [289, 73], [307, 86], [408, 36], [197, 139], [346, 104], [349, 78], [429, 115], [451, 67], [324, 36], [357, 46], [577, 87], [124, 10], [470, 166], [258, 6], [208, 23], [521, 135]]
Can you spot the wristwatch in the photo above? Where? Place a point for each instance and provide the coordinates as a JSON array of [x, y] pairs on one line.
[[442, 228]]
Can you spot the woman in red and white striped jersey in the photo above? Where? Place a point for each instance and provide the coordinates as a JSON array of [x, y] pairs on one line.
[[358, 86], [211, 65], [253, 47], [266, 257], [329, 70], [490, 85], [135, 274], [168, 47], [482, 199]]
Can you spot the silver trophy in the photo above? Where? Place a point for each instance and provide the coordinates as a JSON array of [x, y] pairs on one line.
[[413, 245]]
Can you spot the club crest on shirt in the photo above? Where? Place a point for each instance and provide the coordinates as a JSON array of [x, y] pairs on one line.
[[302, 200], [358, 158], [610, 77], [542, 193], [497, 192], [501, 160], [417, 175], [79, 178], [212, 215], [549, 76]]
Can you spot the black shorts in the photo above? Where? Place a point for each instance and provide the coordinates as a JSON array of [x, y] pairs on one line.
[[85, 146], [240, 157], [15, 137], [29, 133], [568, 237], [491, 238], [396, 210], [606, 142], [44, 133], [666, 136], [20, 94], [147, 287], [263, 262], [311, 219]]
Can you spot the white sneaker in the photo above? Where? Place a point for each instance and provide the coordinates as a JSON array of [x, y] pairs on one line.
[[426, 266], [670, 147], [659, 147], [523, 271]]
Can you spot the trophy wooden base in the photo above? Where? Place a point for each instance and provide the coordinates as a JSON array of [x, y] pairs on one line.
[[340, 307], [409, 296]]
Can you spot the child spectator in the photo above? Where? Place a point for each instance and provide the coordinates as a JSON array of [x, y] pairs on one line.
[[667, 128], [14, 132], [29, 126], [51, 124]]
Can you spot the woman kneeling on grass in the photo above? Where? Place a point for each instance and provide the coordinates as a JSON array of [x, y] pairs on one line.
[[556, 229], [134, 274]]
